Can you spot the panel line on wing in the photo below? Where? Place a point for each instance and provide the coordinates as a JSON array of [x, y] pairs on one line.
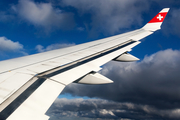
[[57, 81]]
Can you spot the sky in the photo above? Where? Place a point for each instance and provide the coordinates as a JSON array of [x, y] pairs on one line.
[[146, 89]]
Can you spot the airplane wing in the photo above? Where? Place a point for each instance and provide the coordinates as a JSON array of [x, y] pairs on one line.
[[30, 84]]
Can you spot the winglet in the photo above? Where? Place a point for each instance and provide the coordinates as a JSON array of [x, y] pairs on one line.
[[155, 23]]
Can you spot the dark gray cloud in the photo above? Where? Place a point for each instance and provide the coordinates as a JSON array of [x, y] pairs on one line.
[[104, 109], [173, 26], [152, 83]]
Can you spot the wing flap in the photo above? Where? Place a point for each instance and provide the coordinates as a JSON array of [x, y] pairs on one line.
[[41, 68], [38, 102], [11, 84]]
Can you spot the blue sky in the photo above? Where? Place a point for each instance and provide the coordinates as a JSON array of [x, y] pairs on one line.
[[33, 26], [44, 23]]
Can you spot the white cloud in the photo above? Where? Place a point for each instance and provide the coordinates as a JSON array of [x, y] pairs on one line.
[[43, 14], [10, 49], [35, 13], [106, 112], [9, 46], [41, 48]]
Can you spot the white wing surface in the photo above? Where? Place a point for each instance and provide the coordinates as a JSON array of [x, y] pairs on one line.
[[30, 84]]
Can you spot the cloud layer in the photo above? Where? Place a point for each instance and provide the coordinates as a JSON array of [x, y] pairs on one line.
[[152, 83], [104, 109]]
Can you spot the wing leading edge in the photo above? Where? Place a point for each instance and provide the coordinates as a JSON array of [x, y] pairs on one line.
[[30, 84]]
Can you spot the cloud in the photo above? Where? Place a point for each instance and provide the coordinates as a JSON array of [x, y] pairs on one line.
[[41, 48], [7, 45], [106, 17], [173, 26], [96, 17], [152, 83], [43, 15], [10, 49], [109, 16], [90, 108], [104, 109], [80, 29]]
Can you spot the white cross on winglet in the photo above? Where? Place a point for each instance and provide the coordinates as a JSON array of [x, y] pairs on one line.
[[159, 17]]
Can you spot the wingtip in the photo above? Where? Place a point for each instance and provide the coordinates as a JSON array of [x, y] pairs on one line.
[[155, 23], [164, 10]]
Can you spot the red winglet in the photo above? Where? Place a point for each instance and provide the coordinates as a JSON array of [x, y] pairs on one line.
[[160, 16], [155, 23]]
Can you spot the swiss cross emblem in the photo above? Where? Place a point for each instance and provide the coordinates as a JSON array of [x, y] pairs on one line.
[[159, 17]]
